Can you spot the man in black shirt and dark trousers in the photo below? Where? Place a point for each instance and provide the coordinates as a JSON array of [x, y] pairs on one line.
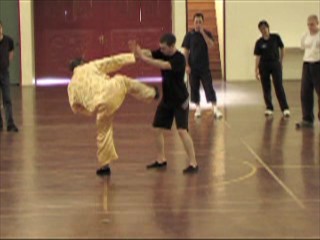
[[6, 55], [310, 42], [269, 62], [174, 103], [196, 44]]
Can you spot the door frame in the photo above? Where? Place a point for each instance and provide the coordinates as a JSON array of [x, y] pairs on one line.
[[15, 33]]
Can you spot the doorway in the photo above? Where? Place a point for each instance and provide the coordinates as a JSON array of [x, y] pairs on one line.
[[213, 11], [9, 15]]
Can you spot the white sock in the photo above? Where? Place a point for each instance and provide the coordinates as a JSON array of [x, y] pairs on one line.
[[215, 108]]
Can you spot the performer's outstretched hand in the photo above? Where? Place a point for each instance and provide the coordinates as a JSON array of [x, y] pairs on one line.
[[132, 45], [138, 51], [135, 49]]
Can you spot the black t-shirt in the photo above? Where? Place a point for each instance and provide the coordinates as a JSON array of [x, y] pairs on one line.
[[174, 89], [268, 50], [6, 46], [199, 56]]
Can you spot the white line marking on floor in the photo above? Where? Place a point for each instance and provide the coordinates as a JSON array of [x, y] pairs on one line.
[[287, 189]]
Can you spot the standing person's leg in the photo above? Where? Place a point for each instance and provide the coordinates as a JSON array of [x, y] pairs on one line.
[[307, 103], [6, 99], [315, 75], [266, 87], [276, 73], [163, 119], [161, 160], [1, 122], [159, 139], [188, 146], [211, 96], [181, 117], [195, 91], [106, 149], [1, 102]]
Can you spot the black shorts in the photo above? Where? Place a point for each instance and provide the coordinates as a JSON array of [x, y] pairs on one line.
[[165, 114]]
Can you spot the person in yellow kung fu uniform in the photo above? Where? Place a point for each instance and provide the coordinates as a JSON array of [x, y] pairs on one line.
[[93, 92]]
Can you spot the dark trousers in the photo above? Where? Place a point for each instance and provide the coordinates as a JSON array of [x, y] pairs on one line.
[[310, 82], [273, 69], [6, 99], [197, 76]]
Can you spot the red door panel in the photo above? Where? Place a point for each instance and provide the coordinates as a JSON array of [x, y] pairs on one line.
[[121, 24], [65, 29], [155, 21]]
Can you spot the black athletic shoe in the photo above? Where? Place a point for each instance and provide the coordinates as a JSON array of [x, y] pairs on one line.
[[157, 165], [191, 169], [304, 124], [104, 171], [157, 96], [12, 128]]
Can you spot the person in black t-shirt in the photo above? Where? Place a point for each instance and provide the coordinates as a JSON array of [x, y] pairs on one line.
[[6, 55], [269, 62], [174, 103], [196, 44]]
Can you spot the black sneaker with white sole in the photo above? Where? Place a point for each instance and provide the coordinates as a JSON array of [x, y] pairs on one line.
[[190, 169], [304, 124], [157, 165]]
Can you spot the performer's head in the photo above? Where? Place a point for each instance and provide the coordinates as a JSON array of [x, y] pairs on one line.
[[264, 28], [168, 44], [313, 23], [198, 20], [75, 63]]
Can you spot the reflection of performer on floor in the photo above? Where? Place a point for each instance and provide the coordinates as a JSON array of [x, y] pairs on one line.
[[271, 151]]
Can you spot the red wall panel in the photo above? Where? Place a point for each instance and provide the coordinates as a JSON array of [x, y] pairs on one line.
[[65, 29]]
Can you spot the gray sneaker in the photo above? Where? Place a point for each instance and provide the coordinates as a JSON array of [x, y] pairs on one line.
[[304, 124]]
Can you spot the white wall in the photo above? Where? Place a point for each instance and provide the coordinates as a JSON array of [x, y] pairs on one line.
[[288, 18], [27, 43], [220, 24], [179, 20]]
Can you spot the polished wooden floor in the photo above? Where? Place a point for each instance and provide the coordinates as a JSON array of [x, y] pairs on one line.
[[258, 178]]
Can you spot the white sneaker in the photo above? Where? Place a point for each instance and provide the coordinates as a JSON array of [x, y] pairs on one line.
[[268, 113], [286, 113], [197, 114], [217, 113]]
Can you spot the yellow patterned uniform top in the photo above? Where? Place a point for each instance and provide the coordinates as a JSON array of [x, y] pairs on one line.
[[90, 85]]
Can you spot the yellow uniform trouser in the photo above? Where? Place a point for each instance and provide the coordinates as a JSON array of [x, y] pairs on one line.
[[120, 85]]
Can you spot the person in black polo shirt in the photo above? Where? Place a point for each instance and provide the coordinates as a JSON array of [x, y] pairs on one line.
[[269, 55], [6, 55], [196, 44], [174, 103]]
